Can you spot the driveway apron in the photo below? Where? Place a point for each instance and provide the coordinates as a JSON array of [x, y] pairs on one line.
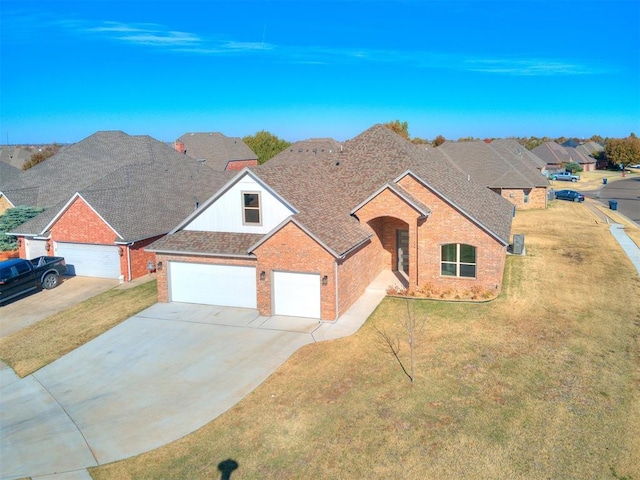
[[152, 379]]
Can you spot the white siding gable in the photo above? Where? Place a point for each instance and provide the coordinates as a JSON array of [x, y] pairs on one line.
[[225, 214]]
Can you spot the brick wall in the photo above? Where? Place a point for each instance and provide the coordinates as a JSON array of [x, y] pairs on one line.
[[240, 164], [447, 225], [140, 258], [357, 271], [537, 197], [292, 250], [80, 224]]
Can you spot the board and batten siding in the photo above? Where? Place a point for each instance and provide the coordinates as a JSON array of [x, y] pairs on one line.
[[225, 213]]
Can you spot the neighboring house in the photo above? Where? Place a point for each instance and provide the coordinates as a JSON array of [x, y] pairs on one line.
[[503, 166], [16, 156], [595, 150], [139, 190], [217, 151], [557, 156], [304, 234], [9, 176]]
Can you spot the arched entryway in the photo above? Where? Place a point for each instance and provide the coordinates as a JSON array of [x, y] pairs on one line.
[[394, 238]]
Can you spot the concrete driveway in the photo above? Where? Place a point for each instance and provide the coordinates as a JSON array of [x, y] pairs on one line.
[[152, 379], [32, 308]]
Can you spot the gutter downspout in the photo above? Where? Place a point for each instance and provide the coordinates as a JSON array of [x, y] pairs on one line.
[[129, 261], [335, 275]]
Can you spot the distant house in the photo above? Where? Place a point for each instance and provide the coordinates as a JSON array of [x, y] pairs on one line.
[[304, 234], [106, 198], [16, 156], [503, 166], [217, 151], [558, 156]]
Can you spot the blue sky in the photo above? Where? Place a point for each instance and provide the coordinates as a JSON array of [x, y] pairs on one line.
[[302, 69]]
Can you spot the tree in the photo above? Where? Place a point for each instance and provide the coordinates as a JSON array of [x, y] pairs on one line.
[[41, 155], [623, 151], [401, 128], [9, 220], [265, 145], [573, 167], [439, 140], [411, 325]]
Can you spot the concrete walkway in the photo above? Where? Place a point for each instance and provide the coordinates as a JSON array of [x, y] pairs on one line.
[[154, 378], [617, 230]]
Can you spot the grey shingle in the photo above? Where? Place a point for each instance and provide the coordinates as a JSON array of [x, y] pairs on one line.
[[216, 149], [203, 243]]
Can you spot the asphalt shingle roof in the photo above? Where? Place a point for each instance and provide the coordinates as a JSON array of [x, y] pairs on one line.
[[493, 165], [553, 153], [203, 243], [325, 185], [141, 199], [216, 149], [325, 188]]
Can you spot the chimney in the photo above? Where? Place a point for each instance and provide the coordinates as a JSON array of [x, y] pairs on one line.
[[179, 146]]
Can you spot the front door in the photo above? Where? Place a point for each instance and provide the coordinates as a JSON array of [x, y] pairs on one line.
[[402, 242]]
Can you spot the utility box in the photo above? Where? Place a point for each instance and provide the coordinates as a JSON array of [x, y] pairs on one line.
[[518, 244]]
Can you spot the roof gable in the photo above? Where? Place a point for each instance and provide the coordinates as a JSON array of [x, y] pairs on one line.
[[222, 211]]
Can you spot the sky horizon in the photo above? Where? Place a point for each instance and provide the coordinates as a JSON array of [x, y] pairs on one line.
[[307, 69]]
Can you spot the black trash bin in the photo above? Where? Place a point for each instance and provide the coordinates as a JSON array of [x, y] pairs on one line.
[[613, 204], [604, 181]]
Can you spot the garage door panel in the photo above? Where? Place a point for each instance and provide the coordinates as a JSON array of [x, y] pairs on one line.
[[225, 285], [297, 294], [87, 260]]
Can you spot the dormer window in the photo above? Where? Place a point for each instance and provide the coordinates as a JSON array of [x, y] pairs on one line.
[[251, 208]]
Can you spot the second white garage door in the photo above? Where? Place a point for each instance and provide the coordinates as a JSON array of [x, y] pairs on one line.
[[88, 260], [225, 285], [296, 294]]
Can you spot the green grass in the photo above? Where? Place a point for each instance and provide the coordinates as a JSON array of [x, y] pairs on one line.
[[42, 343], [543, 382]]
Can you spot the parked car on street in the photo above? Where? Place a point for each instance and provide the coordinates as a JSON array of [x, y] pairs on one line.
[[569, 195], [19, 276]]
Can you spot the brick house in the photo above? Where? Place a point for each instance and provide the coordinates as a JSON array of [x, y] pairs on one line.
[[306, 233], [102, 227], [503, 166], [216, 150], [558, 156]]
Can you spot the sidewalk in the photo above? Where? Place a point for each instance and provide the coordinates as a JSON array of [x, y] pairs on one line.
[[617, 230]]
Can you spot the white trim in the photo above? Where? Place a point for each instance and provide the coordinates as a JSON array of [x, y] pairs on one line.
[[10, 202], [204, 205]]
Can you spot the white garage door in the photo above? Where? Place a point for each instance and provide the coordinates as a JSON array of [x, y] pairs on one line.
[[35, 248], [296, 294], [88, 260], [226, 285]]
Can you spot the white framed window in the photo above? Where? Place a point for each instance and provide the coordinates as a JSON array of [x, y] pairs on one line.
[[251, 214], [458, 260]]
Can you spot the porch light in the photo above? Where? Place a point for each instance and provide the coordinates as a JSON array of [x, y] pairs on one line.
[[263, 275], [120, 251], [159, 266], [47, 245], [325, 280]]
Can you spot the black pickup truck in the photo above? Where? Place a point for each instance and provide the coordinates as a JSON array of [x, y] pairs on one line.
[[18, 276]]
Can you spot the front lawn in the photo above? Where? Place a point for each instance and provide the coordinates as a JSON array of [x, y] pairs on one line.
[[541, 383], [42, 343]]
